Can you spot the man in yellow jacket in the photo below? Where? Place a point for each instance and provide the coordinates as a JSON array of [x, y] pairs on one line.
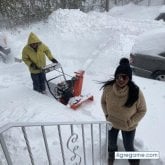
[[34, 56]]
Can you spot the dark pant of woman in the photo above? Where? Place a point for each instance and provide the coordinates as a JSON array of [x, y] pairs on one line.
[[38, 81], [128, 141]]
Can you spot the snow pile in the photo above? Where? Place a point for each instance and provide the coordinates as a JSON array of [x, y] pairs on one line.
[[151, 42]]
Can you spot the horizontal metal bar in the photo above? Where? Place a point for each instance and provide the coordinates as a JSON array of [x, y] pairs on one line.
[[52, 67], [48, 80], [32, 124]]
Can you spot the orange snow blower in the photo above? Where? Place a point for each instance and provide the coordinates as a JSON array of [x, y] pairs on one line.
[[65, 88]]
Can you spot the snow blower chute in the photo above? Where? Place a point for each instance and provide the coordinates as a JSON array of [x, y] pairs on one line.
[[65, 88]]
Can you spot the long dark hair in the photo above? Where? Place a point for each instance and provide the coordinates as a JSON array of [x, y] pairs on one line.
[[133, 93]]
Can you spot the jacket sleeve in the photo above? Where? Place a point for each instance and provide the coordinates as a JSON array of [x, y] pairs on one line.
[[26, 58], [141, 109], [103, 103], [48, 52]]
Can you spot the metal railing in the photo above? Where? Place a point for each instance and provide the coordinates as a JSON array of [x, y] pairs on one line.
[[83, 143]]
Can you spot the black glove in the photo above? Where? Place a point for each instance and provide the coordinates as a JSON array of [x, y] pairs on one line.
[[34, 66], [54, 60]]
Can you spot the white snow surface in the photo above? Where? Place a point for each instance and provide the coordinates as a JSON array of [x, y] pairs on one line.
[[150, 43], [94, 42]]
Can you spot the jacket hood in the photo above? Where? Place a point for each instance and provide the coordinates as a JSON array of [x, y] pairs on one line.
[[33, 39]]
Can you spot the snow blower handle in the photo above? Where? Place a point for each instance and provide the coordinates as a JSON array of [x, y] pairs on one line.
[[51, 67]]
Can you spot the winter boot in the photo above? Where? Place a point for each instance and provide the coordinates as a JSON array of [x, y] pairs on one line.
[[111, 157], [110, 161], [134, 161]]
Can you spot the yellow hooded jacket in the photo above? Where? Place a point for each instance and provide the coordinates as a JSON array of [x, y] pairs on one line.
[[29, 55]]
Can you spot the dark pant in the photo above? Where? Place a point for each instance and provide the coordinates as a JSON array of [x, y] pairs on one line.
[[38, 81], [128, 141]]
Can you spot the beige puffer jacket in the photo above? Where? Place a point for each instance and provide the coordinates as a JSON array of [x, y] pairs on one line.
[[122, 117]]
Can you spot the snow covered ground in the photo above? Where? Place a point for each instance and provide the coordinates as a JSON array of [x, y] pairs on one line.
[[94, 42]]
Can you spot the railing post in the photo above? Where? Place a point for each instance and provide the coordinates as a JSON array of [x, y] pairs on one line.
[[28, 145], [5, 150], [83, 138], [61, 144], [100, 142], [107, 141], [92, 144], [46, 144]]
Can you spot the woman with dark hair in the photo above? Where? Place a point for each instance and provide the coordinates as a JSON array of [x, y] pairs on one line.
[[124, 106]]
